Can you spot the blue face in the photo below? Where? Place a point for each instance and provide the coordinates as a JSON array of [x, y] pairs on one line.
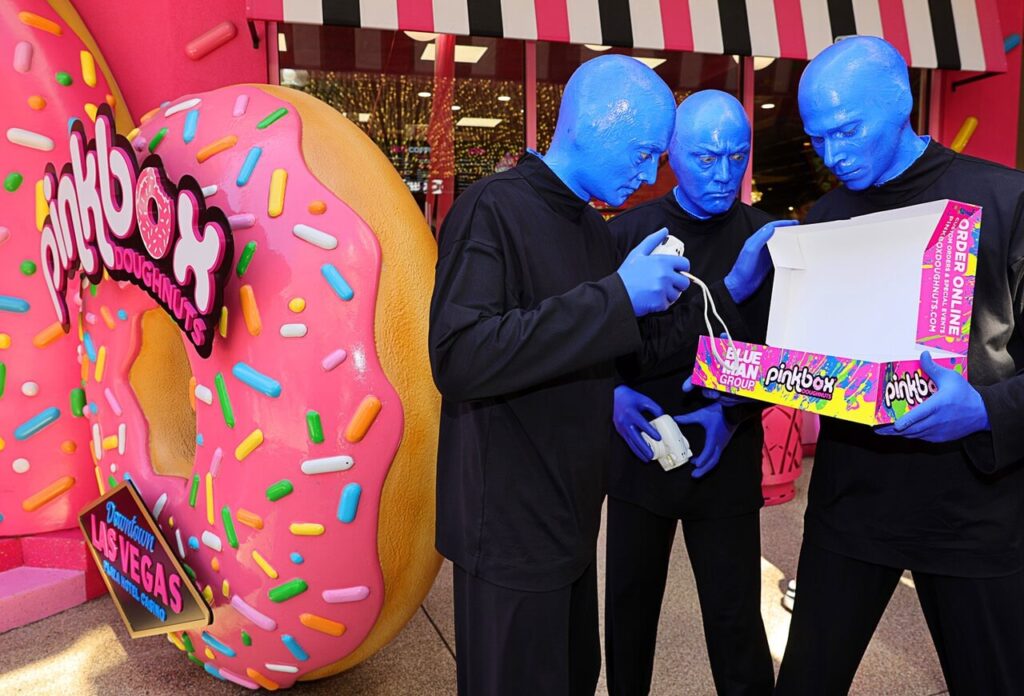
[[614, 122], [855, 103], [616, 168], [709, 153]]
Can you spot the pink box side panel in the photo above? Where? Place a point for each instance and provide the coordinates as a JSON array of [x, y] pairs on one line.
[[947, 279]]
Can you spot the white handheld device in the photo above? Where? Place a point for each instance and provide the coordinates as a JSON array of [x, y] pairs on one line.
[[673, 450]]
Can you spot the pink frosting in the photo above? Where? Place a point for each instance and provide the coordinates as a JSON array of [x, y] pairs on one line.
[[290, 348], [30, 59]]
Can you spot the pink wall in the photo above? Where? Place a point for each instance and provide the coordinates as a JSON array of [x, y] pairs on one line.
[[995, 101], [146, 47]]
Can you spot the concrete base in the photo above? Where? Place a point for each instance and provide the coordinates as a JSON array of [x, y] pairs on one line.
[[44, 574]]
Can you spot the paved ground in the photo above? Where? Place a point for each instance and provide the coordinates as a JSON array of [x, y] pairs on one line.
[[86, 650]]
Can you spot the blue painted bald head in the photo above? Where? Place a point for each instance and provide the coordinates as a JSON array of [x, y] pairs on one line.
[[709, 152], [614, 122], [855, 102]]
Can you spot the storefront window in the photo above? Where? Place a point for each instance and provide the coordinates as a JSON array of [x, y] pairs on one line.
[[384, 81]]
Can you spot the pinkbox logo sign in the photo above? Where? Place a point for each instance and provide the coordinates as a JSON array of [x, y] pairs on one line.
[[108, 214]]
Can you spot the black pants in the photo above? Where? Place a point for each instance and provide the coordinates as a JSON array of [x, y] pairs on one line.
[[526, 643], [977, 625], [726, 559]]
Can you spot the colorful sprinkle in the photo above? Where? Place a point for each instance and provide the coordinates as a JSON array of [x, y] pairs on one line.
[[225, 400], [306, 529], [12, 181], [317, 207], [364, 417], [264, 566], [278, 184], [31, 19], [159, 507], [314, 427], [36, 103], [245, 258], [250, 443], [297, 304], [193, 543], [333, 360], [246, 639], [346, 594], [154, 143], [42, 207], [272, 117], [241, 104], [48, 335], [13, 304], [27, 268], [293, 330], [209, 500], [36, 423], [211, 670], [54, 490], [260, 619], [242, 221], [256, 380], [23, 56], [317, 238], [249, 519], [63, 79], [88, 68], [194, 491], [337, 282], [210, 40], [276, 491], [296, 558], [319, 623], [90, 347], [5, 341], [91, 111], [30, 389], [182, 106], [217, 146], [112, 401], [241, 681], [217, 645], [101, 363], [77, 402], [288, 669], [250, 310], [326, 465], [349, 503], [229, 527], [188, 134], [249, 165], [30, 139], [212, 540], [267, 684]]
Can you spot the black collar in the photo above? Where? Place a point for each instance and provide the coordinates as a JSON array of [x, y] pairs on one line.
[[926, 169], [549, 187], [675, 211]]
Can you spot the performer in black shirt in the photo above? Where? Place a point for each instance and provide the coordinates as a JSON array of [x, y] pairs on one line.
[[528, 316], [719, 498], [941, 492]]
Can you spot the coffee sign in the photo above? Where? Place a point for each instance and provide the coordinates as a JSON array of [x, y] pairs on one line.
[[148, 584], [108, 214]]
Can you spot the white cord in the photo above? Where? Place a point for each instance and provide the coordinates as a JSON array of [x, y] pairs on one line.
[[709, 301]]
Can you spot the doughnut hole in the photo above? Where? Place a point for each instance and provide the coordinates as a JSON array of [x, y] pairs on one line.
[[161, 377]]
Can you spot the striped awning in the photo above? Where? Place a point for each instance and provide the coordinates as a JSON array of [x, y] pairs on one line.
[[949, 34]]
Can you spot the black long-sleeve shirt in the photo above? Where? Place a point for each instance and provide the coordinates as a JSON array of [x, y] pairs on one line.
[[527, 318], [734, 486], [955, 508]]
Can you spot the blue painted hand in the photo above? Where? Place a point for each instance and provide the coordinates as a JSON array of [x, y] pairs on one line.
[[629, 419], [956, 410], [753, 264], [717, 433], [653, 282]]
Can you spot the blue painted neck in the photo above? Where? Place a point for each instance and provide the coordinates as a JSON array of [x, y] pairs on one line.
[[682, 204], [564, 170], [912, 146]]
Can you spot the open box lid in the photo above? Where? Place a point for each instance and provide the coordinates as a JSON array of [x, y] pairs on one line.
[[881, 287]]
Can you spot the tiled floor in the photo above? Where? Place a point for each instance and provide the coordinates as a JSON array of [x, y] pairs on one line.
[[86, 651]]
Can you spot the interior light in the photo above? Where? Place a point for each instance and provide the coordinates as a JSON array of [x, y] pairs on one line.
[[420, 35], [474, 122], [463, 54]]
